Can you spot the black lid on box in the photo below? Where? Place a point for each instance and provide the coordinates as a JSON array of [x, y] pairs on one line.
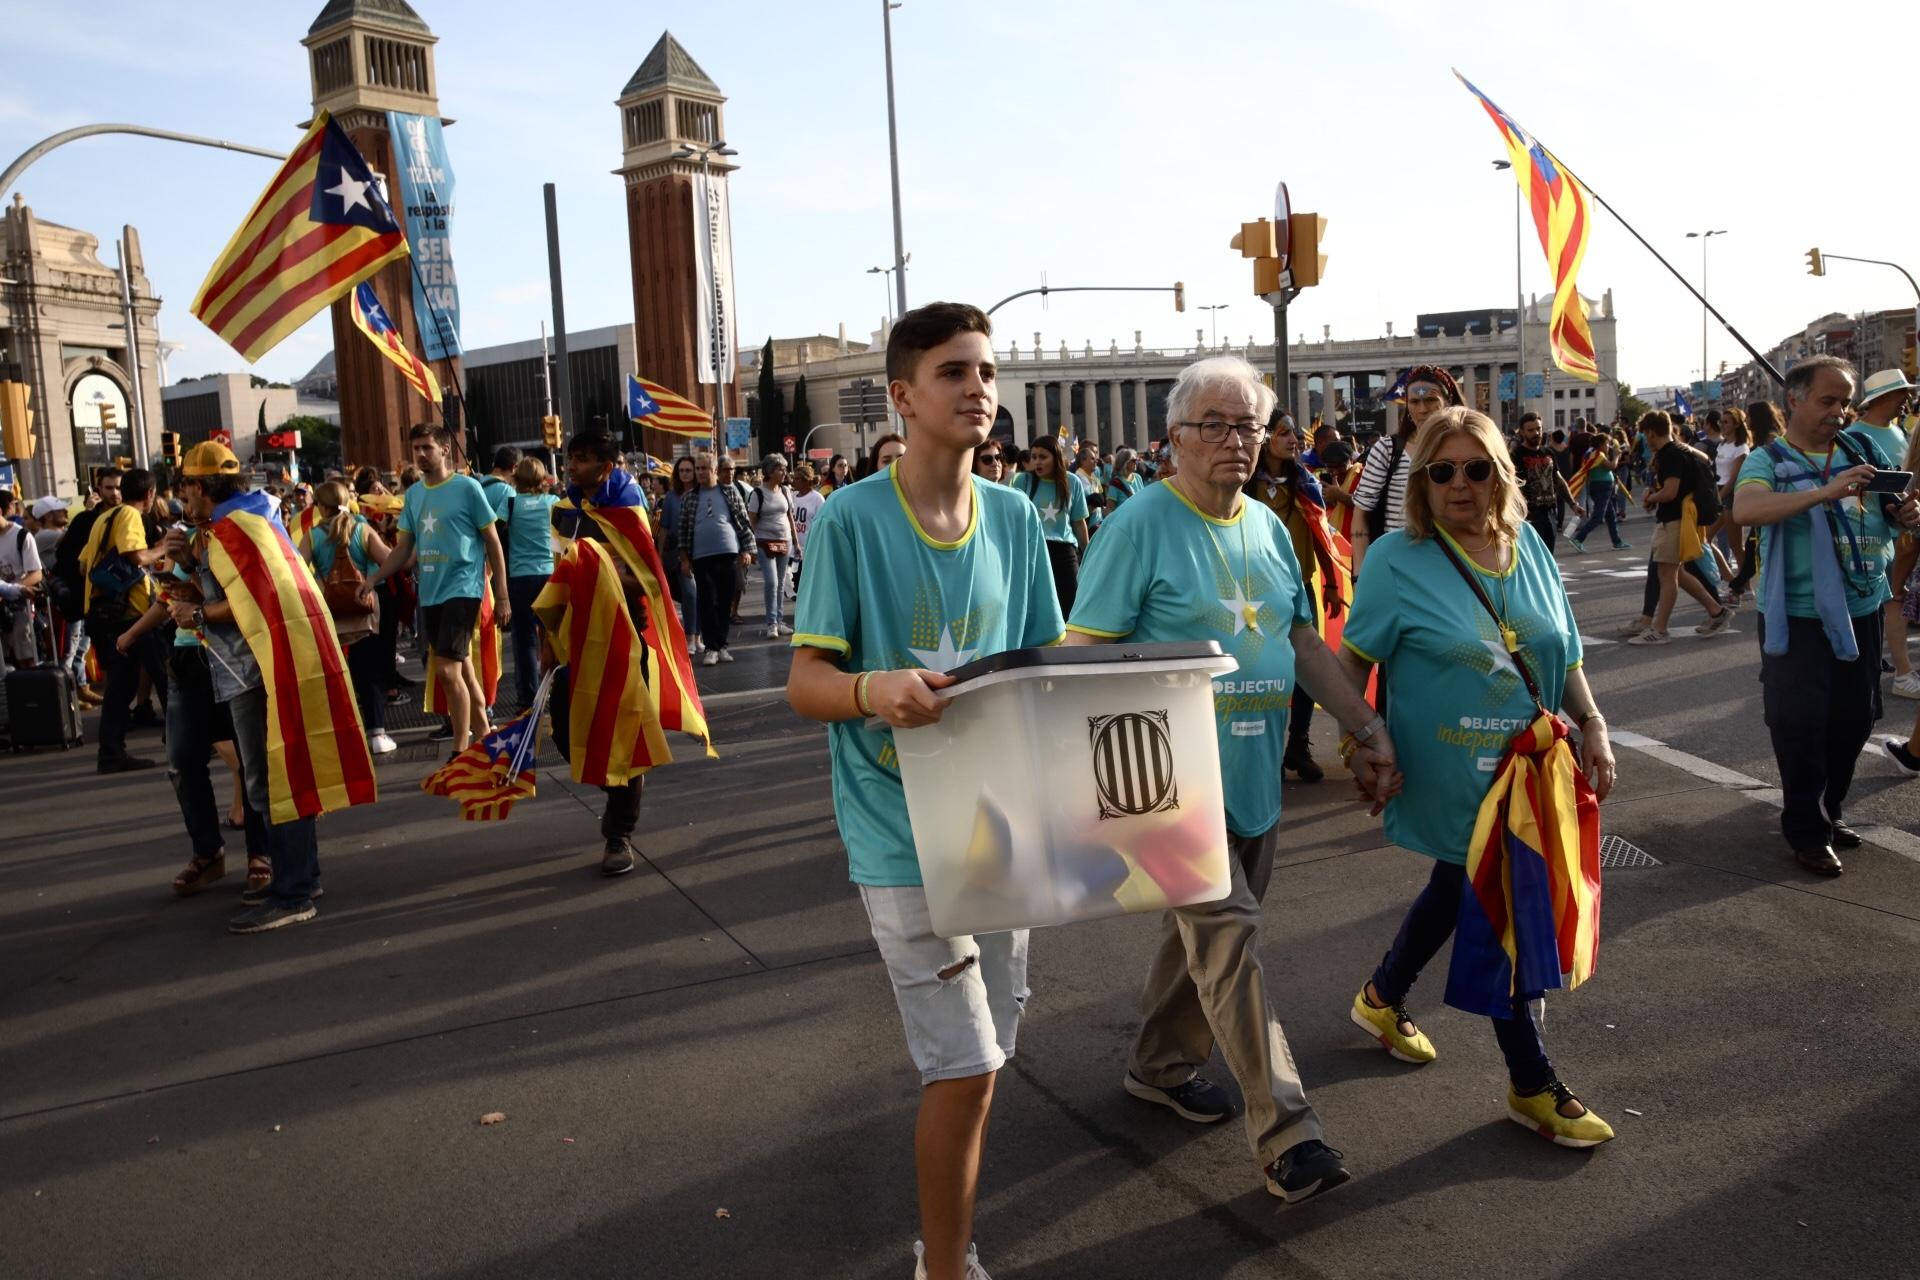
[[1085, 654]]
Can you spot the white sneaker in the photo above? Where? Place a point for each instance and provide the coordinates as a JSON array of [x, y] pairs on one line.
[[726, 655], [1713, 626], [699, 645], [1908, 685], [974, 1270], [773, 632], [1633, 628], [785, 630], [1650, 636], [712, 659], [380, 744]]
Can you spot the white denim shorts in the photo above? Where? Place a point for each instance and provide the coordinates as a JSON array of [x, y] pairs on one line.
[[963, 1024]]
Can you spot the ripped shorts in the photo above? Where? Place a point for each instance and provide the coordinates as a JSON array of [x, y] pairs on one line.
[[960, 1024]]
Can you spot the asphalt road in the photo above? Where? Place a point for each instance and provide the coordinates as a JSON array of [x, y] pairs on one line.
[[703, 1074]]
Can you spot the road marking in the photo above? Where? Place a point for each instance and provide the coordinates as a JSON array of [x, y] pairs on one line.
[[1892, 839], [1587, 642], [741, 695]]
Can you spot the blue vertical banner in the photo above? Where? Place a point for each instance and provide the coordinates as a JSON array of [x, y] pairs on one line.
[[426, 202]]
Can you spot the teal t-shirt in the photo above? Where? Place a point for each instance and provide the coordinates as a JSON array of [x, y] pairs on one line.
[[445, 520], [323, 549], [1120, 490], [529, 522], [1889, 444], [883, 595], [1454, 698], [1056, 518], [1866, 579], [499, 495], [1162, 571]]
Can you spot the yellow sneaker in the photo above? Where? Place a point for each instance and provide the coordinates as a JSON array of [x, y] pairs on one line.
[[1384, 1025], [1540, 1112]]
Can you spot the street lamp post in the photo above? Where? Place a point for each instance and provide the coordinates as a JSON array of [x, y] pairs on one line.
[[706, 153], [1215, 309], [1519, 306], [886, 287], [1703, 237], [893, 156]]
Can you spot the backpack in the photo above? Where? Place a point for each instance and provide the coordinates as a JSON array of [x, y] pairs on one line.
[[1704, 487], [66, 585], [1377, 513]]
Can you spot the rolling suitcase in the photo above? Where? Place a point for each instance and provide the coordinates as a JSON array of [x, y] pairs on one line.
[[42, 707]]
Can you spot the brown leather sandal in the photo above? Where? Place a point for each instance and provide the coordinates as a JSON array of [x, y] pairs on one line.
[[259, 873], [200, 872]]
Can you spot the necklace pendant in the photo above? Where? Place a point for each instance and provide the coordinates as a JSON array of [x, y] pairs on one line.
[[1509, 638], [1252, 615]]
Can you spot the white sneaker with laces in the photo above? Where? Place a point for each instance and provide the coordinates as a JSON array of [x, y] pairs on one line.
[[726, 655], [1908, 685], [785, 630], [1650, 636], [1714, 626], [712, 659], [1635, 627], [773, 632], [380, 744], [974, 1270]]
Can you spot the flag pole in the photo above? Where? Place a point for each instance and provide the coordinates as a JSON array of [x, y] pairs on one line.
[[469, 428]]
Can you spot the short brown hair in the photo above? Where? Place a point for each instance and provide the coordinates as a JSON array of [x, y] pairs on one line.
[[1655, 420], [924, 328], [528, 474], [434, 431]]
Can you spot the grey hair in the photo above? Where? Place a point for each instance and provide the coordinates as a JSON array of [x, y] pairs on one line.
[[1121, 457], [1217, 373], [773, 460], [1800, 377]]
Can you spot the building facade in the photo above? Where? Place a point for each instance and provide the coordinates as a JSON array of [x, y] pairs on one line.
[[63, 332]]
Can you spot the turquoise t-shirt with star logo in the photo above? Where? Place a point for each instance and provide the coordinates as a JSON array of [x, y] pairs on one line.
[[1163, 571], [1455, 699], [445, 520], [1857, 525], [1056, 517], [883, 595]]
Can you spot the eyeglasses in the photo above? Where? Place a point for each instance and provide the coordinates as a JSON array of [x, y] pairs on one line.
[[1479, 471], [1213, 431], [989, 457]]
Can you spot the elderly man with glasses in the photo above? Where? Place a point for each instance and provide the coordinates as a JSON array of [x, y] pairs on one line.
[[1194, 559]]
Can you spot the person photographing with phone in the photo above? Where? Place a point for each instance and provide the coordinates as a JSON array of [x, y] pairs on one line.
[[1827, 538]]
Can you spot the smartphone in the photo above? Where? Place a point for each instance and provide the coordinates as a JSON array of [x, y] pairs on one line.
[[1890, 482]]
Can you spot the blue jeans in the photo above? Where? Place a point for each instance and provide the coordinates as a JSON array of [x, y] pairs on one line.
[[1429, 923], [1600, 506], [773, 585], [194, 723], [293, 846], [521, 593]]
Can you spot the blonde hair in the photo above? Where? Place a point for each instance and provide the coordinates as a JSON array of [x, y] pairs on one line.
[[1508, 509], [334, 501], [527, 475]]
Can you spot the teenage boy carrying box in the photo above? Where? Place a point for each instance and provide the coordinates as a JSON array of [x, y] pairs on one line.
[[916, 570]]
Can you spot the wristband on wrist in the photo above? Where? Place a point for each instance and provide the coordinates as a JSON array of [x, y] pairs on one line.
[[860, 702], [1367, 730]]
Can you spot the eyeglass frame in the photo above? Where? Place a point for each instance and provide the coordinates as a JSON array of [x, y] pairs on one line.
[[1462, 467], [1255, 432]]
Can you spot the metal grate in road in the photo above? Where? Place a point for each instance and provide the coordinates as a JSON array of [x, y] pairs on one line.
[[1619, 855]]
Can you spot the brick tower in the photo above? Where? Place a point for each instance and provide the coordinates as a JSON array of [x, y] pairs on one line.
[[671, 104], [369, 57]]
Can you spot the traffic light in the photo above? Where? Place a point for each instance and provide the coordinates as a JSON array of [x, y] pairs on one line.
[[109, 417], [550, 430], [1816, 265], [1179, 295], [1304, 259], [1909, 361], [16, 421], [170, 448]]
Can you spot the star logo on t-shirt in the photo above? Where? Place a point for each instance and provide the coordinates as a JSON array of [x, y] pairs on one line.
[[1246, 613], [1502, 660], [947, 656], [1048, 514], [427, 522]]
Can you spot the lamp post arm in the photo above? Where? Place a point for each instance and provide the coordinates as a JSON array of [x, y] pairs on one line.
[[45, 145], [1045, 289], [1879, 262]]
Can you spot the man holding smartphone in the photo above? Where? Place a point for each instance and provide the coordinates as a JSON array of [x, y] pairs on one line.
[[1828, 537]]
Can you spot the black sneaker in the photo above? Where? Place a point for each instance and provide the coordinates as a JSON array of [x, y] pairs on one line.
[[618, 859], [442, 734], [268, 916], [1300, 761], [123, 764], [1901, 756], [1199, 1099], [254, 897], [1304, 1171]]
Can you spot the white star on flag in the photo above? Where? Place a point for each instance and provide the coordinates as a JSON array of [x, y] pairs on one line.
[[351, 192], [1246, 613], [947, 656]]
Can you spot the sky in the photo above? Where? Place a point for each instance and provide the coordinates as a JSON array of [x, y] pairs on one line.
[[1091, 142]]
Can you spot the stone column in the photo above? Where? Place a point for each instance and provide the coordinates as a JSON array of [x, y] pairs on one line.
[[1089, 398], [1140, 424], [1302, 401], [1117, 422], [1013, 398]]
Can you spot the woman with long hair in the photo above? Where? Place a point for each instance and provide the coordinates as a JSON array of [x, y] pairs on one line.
[[1061, 500], [839, 474], [1086, 469], [1381, 494], [338, 527], [884, 451], [771, 507], [716, 538], [529, 551], [679, 581]]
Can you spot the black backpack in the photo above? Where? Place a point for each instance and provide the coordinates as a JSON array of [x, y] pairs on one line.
[[1705, 488], [66, 584], [1377, 513]]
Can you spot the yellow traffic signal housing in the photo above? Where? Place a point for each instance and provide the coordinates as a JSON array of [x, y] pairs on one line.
[[1266, 276], [1304, 259], [16, 420], [1179, 295], [1909, 362], [1257, 240], [1816, 265], [550, 430]]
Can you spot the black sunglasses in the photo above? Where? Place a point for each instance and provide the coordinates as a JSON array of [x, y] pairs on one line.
[[1479, 470]]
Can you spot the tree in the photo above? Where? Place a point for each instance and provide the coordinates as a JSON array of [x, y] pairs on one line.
[[770, 409], [800, 416], [1631, 405]]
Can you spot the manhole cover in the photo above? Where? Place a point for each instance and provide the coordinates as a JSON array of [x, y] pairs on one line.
[[1619, 855]]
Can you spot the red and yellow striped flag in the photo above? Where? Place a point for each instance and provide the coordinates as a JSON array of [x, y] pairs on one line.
[[485, 654], [370, 318], [317, 757], [322, 226], [613, 726], [1577, 482], [652, 405]]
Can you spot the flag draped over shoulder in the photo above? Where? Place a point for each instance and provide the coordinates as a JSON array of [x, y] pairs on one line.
[[1577, 482], [1562, 216], [317, 757], [613, 726], [370, 318], [485, 652], [1530, 918], [498, 771], [321, 226], [616, 508], [652, 405]]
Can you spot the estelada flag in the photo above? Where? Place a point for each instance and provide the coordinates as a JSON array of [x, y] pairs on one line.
[[613, 725], [485, 652], [1530, 918], [498, 771], [372, 319], [322, 226], [652, 405], [317, 757], [1577, 482], [617, 508]]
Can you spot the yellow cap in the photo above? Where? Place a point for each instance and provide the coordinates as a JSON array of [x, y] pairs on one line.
[[209, 458]]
